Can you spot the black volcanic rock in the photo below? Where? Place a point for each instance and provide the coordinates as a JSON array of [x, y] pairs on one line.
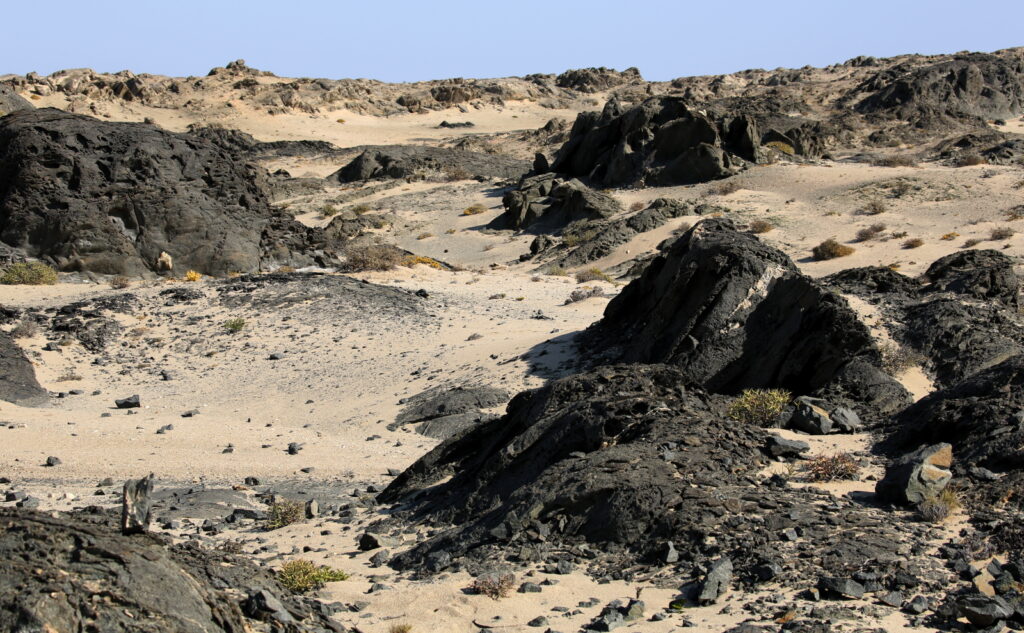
[[111, 197], [547, 203], [734, 313], [982, 274], [402, 161], [662, 141], [52, 568], [11, 101], [601, 469], [18, 382], [973, 84]]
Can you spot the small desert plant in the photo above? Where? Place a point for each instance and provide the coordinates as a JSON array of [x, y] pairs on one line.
[[939, 508], [832, 467], [457, 173], [476, 209], [234, 325], [192, 275], [362, 209], [494, 586], [572, 240], [637, 206], [583, 293], [780, 146], [969, 160], [284, 512], [897, 359], [556, 271], [759, 406], [761, 226], [425, 235], [724, 188], [450, 231], [949, 237], [831, 249], [894, 161], [870, 233], [971, 242], [593, 274], [1001, 233], [372, 257], [25, 329], [29, 274], [340, 121], [1014, 213], [1019, 184], [400, 628], [913, 242], [120, 282], [300, 576], [412, 260], [68, 375], [874, 207], [328, 210]]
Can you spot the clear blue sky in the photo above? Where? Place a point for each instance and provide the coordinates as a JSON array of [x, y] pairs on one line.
[[401, 40]]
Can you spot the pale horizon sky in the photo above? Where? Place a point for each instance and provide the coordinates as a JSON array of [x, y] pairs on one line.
[[413, 41]]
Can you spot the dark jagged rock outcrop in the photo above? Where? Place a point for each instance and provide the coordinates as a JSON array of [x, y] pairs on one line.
[[111, 197], [591, 80], [403, 161], [662, 141], [18, 382], [972, 84], [608, 235], [960, 316], [244, 144], [604, 468], [547, 203], [76, 572], [982, 417], [11, 101], [443, 412], [734, 313], [981, 274]]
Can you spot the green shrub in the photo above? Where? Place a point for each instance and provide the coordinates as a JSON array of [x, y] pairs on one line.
[[831, 249], [29, 274], [234, 325], [780, 146], [300, 576], [759, 406], [284, 512]]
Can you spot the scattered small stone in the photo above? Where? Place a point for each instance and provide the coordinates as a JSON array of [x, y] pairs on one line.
[[53, 461], [131, 402]]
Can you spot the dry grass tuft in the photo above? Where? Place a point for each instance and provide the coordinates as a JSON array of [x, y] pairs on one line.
[[724, 188], [831, 249], [969, 159], [941, 507], [761, 226], [870, 233], [593, 274], [759, 406], [476, 209], [637, 206], [913, 242], [494, 586], [832, 467], [370, 257], [895, 161], [949, 237], [874, 207], [1001, 233]]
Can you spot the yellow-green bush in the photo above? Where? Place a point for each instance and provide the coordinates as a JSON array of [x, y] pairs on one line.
[[29, 274], [300, 576], [759, 406]]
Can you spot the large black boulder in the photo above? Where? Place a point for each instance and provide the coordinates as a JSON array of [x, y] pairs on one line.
[[18, 382], [662, 141], [78, 573], [111, 197], [984, 274], [548, 203], [734, 313]]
